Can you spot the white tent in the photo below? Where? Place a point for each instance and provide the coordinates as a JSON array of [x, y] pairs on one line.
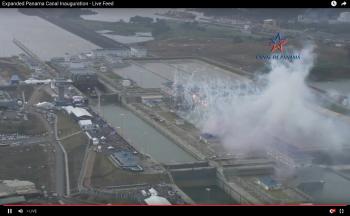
[[78, 112], [157, 200], [85, 124], [45, 105]]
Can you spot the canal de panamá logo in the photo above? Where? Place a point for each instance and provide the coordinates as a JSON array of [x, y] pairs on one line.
[[278, 43], [278, 50]]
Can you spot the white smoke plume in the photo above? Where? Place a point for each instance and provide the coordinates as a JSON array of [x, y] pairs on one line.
[[249, 115]]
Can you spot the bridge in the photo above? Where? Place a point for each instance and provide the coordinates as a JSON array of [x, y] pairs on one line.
[[34, 57]]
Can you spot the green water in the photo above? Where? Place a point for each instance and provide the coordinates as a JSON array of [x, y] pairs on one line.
[[208, 195]]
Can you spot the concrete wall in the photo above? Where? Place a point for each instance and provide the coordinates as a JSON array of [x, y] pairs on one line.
[[233, 192]]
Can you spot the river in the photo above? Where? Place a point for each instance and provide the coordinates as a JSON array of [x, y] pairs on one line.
[[44, 38]]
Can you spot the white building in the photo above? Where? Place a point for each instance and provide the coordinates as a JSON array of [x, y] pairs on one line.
[[85, 124], [157, 200], [78, 112]]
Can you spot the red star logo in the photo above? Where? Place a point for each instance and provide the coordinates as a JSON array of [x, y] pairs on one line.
[[278, 43]]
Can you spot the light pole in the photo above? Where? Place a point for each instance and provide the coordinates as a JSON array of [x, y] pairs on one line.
[[122, 120], [208, 191]]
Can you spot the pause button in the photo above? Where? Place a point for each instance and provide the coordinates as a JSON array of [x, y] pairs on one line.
[[9, 211]]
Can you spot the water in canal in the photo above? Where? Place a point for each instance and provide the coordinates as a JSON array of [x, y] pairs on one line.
[[143, 136], [208, 195], [336, 189], [149, 140]]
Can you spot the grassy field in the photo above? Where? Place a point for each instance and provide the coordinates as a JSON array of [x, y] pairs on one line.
[[66, 125], [106, 174], [32, 126], [25, 163], [75, 146]]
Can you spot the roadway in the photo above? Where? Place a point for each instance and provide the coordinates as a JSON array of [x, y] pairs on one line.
[[62, 171]]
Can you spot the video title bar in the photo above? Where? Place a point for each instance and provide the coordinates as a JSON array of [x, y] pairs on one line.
[[176, 4], [64, 4]]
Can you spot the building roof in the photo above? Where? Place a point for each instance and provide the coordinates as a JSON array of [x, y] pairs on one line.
[[157, 200], [77, 111], [268, 181], [126, 158], [85, 122]]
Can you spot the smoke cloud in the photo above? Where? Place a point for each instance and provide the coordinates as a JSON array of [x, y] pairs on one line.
[[247, 116]]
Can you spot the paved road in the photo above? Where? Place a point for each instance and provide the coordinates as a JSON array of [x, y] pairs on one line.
[[59, 169], [62, 173]]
